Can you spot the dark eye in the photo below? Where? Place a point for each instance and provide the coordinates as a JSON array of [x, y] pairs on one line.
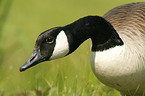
[[50, 40]]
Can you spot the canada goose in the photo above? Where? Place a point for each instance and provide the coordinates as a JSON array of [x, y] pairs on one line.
[[118, 46]]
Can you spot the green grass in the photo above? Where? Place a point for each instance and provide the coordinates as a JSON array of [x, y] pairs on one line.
[[69, 76]]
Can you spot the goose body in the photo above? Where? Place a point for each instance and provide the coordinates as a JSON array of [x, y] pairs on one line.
[[117, 50], [123, 67]]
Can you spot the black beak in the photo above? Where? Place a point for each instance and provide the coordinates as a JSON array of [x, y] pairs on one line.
[[34, 59]]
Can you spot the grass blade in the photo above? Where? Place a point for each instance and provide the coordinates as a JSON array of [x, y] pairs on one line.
[[3, 18], [60, 83]]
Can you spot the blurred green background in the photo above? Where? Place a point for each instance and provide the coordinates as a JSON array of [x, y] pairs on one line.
[[21, 22]]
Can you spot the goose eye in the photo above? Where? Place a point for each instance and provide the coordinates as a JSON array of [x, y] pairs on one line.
[[50, 40]]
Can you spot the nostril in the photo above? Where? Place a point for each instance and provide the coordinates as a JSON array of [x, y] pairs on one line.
[[32, 58]]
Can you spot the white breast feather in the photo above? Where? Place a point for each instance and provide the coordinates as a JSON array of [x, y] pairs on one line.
[[119, 68]]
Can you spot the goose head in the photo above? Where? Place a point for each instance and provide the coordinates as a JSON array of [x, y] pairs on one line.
[[49, 45], [61, 41]]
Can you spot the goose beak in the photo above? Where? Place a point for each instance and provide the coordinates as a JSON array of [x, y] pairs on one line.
[[34, 59]]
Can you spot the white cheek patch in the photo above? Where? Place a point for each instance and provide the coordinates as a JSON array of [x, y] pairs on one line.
[[62, 47]]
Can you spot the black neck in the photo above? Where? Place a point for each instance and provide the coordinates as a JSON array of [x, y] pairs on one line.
[[101, 32]]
